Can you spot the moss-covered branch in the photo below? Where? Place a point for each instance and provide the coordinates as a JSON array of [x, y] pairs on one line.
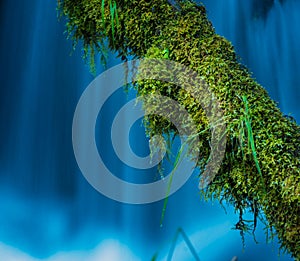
[[260, 171]]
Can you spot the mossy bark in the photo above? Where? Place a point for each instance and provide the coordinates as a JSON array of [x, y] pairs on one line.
[[263, 179]]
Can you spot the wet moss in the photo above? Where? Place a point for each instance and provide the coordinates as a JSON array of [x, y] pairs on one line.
[[260, 170]]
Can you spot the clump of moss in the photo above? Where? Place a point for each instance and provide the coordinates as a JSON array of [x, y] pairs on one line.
[[261, 167]]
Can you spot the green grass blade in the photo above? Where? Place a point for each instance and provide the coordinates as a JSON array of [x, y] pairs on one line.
[[116, 13], [112, 20], [175, 166], [252, 143]]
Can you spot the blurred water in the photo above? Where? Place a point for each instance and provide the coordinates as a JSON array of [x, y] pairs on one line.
[[268, 45], [48, 210]]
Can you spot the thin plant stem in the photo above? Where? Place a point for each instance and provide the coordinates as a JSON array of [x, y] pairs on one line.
[[187, 241], [252, 143]]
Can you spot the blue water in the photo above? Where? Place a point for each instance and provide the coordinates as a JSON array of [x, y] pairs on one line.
[[48, 210]]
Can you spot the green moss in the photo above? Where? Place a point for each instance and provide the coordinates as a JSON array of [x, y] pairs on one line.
[[260, 170]]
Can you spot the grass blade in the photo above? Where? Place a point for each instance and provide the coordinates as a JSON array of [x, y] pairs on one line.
[[252, 143]]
